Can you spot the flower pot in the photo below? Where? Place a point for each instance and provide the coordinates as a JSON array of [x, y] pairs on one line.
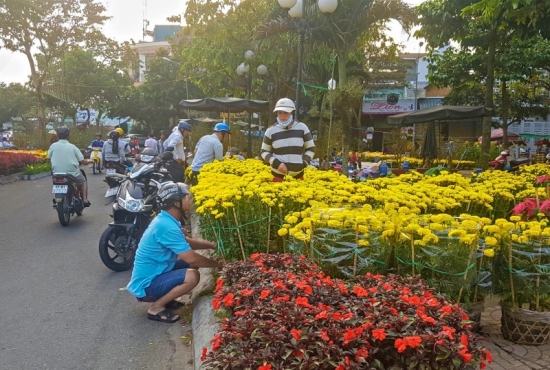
[[421, 170], [398, 171], [525, 326], [474, 312]]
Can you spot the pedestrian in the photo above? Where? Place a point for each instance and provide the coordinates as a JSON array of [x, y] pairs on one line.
[[160, 142], [288, 145], [166, 264], [353, 159], [115, 150], [151, 142], [208, 149], [175, 140], [235, 153], [53, 136]]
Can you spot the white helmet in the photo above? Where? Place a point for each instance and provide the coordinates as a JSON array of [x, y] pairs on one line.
[[548, 156], [504, 152], [522, 151], [285, 105]]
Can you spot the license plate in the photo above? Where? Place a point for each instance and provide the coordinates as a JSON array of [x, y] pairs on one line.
[[60, 189], [111, 192], [110, 171]]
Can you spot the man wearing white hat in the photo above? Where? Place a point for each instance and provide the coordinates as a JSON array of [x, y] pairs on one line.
[[288, 145]]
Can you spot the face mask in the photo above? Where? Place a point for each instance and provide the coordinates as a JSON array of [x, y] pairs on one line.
[[284, 124]]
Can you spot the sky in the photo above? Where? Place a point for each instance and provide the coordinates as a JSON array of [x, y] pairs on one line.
[[126, 23]]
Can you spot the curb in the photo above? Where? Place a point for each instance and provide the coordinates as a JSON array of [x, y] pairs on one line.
[[204, 327], [11, 178]]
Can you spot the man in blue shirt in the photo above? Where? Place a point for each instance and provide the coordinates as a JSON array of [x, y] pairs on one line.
[[166, 263], [97, 143], [208, 149]]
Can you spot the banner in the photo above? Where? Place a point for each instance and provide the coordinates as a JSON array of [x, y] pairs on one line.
[[392, 105]]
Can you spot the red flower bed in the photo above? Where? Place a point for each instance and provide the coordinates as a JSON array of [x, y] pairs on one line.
[[284, 313], [9, 160]]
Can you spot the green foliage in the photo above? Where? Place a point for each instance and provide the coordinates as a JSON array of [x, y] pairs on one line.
[[16, 101]]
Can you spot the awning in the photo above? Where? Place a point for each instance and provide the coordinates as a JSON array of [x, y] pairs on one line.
[[231, 105], [440, 113]]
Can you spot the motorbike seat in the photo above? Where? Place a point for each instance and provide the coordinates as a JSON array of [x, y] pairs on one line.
[[65, 175], [117, 175]]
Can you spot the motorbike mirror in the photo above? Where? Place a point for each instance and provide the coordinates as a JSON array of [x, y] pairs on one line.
[[166, 156], [169, 149]]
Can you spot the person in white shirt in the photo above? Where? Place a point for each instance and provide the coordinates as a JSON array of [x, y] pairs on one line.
[[151, 142], [208, 149], [176, 140]]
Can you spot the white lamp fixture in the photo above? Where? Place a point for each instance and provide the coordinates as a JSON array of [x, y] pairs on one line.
[[332, 84], [327, 6], [287, 4], [296, 10], [262, 70], [249, 55], [242, 69]]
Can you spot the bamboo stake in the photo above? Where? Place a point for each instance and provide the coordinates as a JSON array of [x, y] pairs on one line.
[[412, 255], [472, 253], [511, 276], [268, 230], [239, 234], [217, 240], [355, 253], [537, 299]]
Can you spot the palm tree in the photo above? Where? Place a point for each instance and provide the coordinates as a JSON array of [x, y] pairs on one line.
[[343, 30]]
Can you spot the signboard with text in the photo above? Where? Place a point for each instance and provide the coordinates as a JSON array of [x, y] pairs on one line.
[[392, 105]]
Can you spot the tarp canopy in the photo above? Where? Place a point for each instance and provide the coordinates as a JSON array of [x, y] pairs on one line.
[[498, 135], [230, 105], [439, 113]]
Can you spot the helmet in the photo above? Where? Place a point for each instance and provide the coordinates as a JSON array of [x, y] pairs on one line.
[[184, 126], [504, 152], [234, 150], [171, 192], [114, 135], [62, 132], [522, 151], [120, 131], [285, 105], [221, 127], [548, 156]]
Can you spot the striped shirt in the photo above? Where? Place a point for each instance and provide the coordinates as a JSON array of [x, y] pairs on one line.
[[292, 146]]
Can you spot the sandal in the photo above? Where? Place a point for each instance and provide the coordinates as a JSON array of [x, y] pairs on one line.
[[164, 316], [174, 305], [87, 204]]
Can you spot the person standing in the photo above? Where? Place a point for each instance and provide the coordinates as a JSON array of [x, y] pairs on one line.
[[160, 142], [151, 142], [209, 148], [288, 145], [175, 140]]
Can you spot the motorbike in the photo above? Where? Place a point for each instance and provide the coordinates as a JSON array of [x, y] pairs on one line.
[[95, 156], [135, 205], [67, 199], [502, 163]]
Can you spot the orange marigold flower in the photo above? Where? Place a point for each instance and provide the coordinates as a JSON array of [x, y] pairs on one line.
[[216, 303], [204, 351], [466, 357], [281, 299], [265, 367], [264, 294], [296, 334], [321, 315], [324, 336], [219, 285], [361, 354], [464, 340], [302, 301]]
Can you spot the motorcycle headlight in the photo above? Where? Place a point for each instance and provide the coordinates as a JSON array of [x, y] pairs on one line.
[[132, 205]]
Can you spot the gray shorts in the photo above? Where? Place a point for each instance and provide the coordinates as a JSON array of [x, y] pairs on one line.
[[80, 179]]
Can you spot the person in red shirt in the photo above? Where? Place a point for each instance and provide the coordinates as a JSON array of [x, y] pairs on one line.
[[353, 158]]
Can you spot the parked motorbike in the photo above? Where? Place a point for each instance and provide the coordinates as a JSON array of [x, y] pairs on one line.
[[501, 162], [135, 206], [67, 199]]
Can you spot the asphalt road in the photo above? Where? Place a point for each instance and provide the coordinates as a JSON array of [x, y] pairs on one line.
[[60, 307]]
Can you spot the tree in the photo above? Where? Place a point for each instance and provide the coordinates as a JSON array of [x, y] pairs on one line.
[[16, 101], [44, 30], [89, 79]]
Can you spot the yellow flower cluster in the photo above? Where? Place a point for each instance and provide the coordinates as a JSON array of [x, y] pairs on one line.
[[37, 153]]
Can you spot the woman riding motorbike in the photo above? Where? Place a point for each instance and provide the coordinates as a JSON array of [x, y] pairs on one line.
[[114, 151]]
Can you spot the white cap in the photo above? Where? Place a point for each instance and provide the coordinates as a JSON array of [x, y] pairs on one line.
[[285, 105]]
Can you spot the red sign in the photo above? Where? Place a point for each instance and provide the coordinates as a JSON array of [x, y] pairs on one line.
[[383, 107]]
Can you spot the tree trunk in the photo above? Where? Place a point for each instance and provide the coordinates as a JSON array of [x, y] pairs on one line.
[[505, 104], [489, 85], [342, 71]]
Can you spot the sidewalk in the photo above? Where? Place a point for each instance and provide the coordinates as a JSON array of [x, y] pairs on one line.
[[508, 355]]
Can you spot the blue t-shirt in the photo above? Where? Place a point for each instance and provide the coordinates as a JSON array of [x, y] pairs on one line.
[[157, 252], [97, 144]]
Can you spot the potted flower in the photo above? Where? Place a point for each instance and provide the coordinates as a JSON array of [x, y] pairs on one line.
[[524, 282], [531, 207]]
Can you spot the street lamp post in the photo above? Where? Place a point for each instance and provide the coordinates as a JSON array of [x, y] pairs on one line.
[[243, 70], [297, 9], [416, 81]]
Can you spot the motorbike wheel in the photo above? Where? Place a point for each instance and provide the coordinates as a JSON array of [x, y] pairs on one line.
[[64, 212], [95, 167], [112, 249]]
